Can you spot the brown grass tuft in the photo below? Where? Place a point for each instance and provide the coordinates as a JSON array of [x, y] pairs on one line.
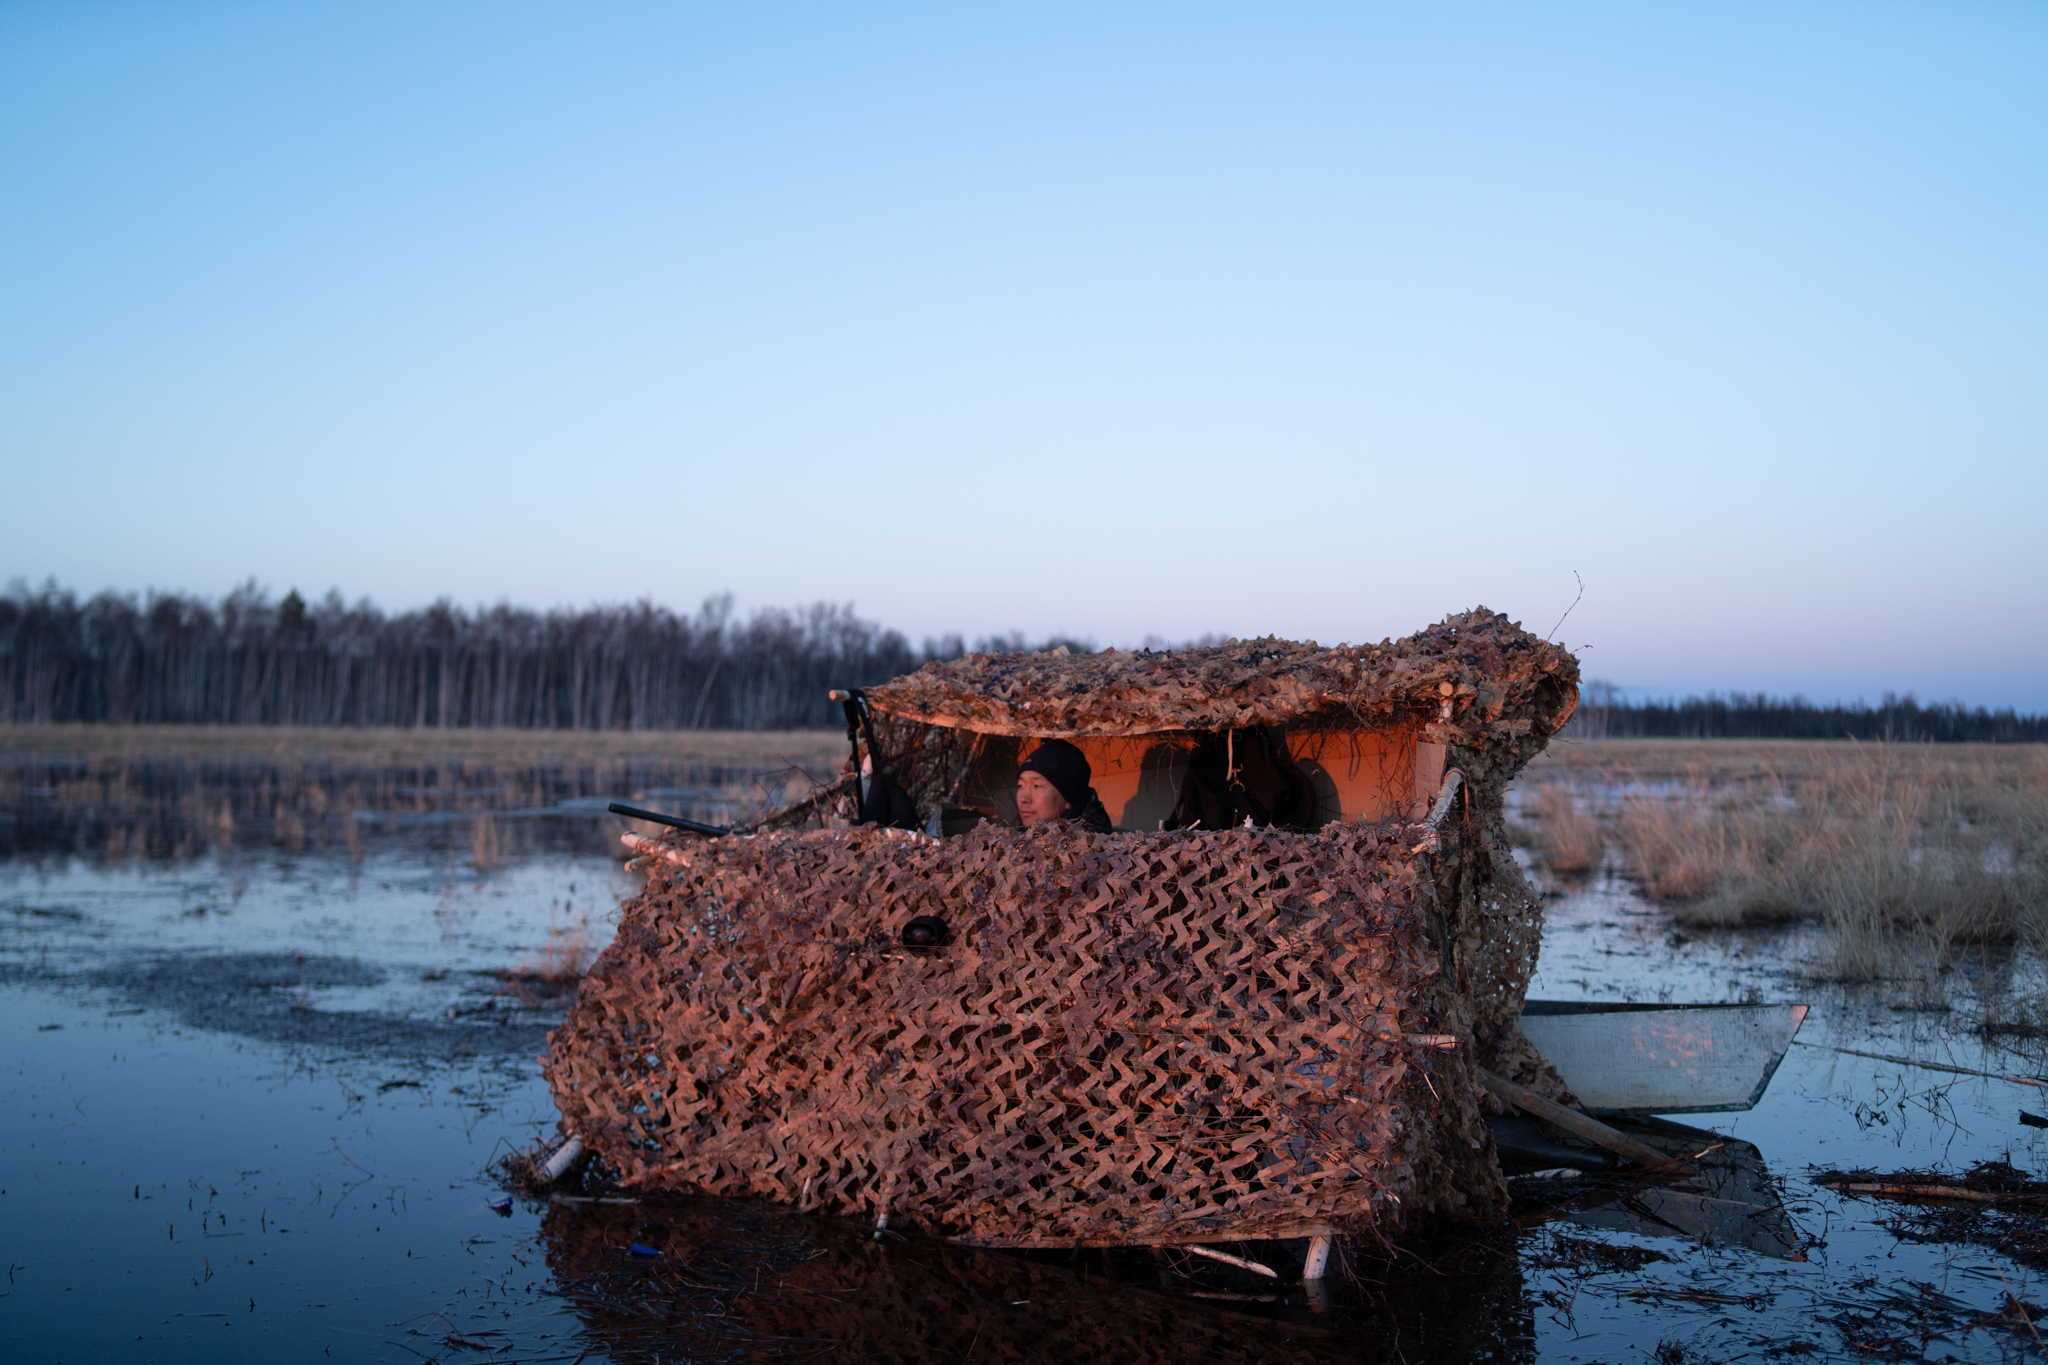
[[1569, 837], [1722, 848], [565, 957], [1906, 853]]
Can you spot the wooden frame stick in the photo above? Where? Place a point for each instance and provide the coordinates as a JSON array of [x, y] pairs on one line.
[[1572, 1121]]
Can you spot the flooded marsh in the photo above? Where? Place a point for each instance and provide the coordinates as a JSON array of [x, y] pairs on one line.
[[273, 1016]]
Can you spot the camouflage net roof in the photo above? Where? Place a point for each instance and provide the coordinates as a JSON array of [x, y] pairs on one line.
[[1499, 677]]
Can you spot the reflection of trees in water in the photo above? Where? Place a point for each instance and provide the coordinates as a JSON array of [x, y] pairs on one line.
[[117, 807], [740, 1280]]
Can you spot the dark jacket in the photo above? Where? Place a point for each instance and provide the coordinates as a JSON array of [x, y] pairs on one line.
[[1094, 816]]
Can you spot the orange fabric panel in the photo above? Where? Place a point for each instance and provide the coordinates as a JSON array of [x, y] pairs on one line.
[[1359, 774], [1362, 774]]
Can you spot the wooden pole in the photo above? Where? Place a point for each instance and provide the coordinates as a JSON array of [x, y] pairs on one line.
[[1240, 1262], [1572, 1121], [1318, 1258]]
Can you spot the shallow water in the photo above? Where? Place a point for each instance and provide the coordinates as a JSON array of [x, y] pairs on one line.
[[255, 1091]]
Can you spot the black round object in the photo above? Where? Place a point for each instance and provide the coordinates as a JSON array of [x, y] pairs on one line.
[[926, 931]]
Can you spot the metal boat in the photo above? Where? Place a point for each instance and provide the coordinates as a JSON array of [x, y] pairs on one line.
[[1662, 1059]]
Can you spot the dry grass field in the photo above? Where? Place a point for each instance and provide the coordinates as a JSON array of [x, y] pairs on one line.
[[1907, 853], [333, 744]]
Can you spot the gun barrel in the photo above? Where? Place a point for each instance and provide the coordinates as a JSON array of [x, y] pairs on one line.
[[658, 818]]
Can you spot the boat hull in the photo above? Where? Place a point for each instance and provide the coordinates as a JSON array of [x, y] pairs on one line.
[[1662, 1059]]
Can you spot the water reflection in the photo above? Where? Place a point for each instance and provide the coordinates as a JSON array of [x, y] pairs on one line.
[[1727, 1198], [738, 1280], [173, 808]]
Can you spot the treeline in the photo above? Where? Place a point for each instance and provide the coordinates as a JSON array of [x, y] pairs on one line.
[[247, 659], [1604, 714]]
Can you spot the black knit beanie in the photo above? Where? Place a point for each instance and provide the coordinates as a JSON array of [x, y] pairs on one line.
[[1061, 764]]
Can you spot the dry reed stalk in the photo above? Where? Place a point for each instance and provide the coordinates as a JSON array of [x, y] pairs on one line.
[[486, 849], [290, 830], [565, 957]]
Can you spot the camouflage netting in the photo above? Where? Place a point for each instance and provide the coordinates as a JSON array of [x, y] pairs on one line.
[[1477, 683], [1509, 689], [1496, 924], [1132, 1038]]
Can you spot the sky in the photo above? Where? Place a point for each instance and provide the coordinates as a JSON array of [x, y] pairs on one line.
[[1112, 320]]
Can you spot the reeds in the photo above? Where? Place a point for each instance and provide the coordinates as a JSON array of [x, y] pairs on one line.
[[1568, 836], [1906, 853], [565, 957], [486, 851]]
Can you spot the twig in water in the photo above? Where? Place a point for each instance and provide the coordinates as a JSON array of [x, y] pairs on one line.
[[2018, 1306], [1932, 1192], [1928, 1066], [1228, 1259], [1575, 1123]]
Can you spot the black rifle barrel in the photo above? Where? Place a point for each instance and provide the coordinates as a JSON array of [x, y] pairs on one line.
[[658, 818]]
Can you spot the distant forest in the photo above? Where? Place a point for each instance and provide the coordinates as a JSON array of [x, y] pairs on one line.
[[248, 659], [1603, 714]]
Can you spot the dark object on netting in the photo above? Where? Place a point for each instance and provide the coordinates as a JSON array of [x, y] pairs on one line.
[[887, 804], [953, 821], [929, 931], [674, 821], [882, 799], [1144, 1036], [2032, 1120]]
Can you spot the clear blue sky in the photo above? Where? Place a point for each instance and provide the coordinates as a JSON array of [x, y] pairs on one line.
[[1115, 320]]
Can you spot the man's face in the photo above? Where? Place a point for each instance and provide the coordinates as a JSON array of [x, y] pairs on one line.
[[1038, 799]]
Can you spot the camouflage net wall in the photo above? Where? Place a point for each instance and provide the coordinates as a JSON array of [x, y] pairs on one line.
[[1132, 1038], [1496, 930], [1495, 916]]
